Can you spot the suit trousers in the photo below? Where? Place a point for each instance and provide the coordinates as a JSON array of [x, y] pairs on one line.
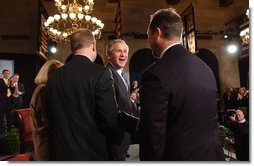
[[5, 111], [119, 151]]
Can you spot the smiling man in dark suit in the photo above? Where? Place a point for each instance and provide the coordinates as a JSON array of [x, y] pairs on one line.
[[117, 54], [178, 119], [81, 104]]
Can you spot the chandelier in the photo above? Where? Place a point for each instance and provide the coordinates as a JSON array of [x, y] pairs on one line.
[[245, 37], [245, 34], [72, 16], [247, 13]]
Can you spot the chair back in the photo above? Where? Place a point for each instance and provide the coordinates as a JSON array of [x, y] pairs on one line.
[[25, 130]]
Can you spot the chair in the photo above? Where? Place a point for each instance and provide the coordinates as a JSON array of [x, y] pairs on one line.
[[25, 131], [22, 157], [18, 157]]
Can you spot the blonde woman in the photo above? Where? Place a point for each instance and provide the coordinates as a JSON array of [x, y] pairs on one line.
[[37, 104]]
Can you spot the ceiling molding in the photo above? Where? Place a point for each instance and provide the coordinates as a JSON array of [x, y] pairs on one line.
[[172, 2], [15, 37], [226, 3], [113, 1]]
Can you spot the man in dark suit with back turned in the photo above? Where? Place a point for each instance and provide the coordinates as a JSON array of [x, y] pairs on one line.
[[117, 54], [178, 119], [81, 105]]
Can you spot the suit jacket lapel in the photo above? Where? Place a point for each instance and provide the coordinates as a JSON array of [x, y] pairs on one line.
[[122, 89], [3, 82], [118, 79]]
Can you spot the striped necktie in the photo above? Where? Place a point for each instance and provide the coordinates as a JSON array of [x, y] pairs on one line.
[[125, 79]]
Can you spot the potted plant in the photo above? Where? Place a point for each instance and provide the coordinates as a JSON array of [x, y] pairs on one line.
[[12, 141]]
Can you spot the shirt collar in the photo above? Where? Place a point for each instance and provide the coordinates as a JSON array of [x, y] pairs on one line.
[[119, 71], [6, 80], [82, 55], [242, 121], [163, 52]]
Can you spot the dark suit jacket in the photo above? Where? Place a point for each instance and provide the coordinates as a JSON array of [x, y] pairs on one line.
[[122, 95], [120, 137], [3, 103], [241, 137], [178, 119], [18, 101], [3, 91], [81, 110], [231, 103]]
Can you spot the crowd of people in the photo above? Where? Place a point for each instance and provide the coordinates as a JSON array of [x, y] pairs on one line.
[[237, 123], [78, 107], [236, 108], [11, 92], [235, 98]]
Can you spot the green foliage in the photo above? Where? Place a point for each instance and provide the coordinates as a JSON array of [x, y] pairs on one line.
[[226, 136], [12, 141]]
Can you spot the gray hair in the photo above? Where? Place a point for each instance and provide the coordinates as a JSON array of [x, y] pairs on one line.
[[110, 45]]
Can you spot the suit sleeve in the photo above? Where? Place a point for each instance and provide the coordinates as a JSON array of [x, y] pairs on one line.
[[2, 87], [106, 107], [22, 89], [153, 118]]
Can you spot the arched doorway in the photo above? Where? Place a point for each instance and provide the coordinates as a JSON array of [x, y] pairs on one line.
[[99, 60], [210, 59], [139, 61]]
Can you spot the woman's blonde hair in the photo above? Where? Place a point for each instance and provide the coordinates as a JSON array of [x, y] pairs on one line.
[[46, 70]]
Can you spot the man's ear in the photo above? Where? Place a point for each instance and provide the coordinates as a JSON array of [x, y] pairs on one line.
[[94, 46], [158, 32]]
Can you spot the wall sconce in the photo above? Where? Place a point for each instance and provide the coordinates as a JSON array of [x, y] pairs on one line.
[[232, 48], [52, 47]]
